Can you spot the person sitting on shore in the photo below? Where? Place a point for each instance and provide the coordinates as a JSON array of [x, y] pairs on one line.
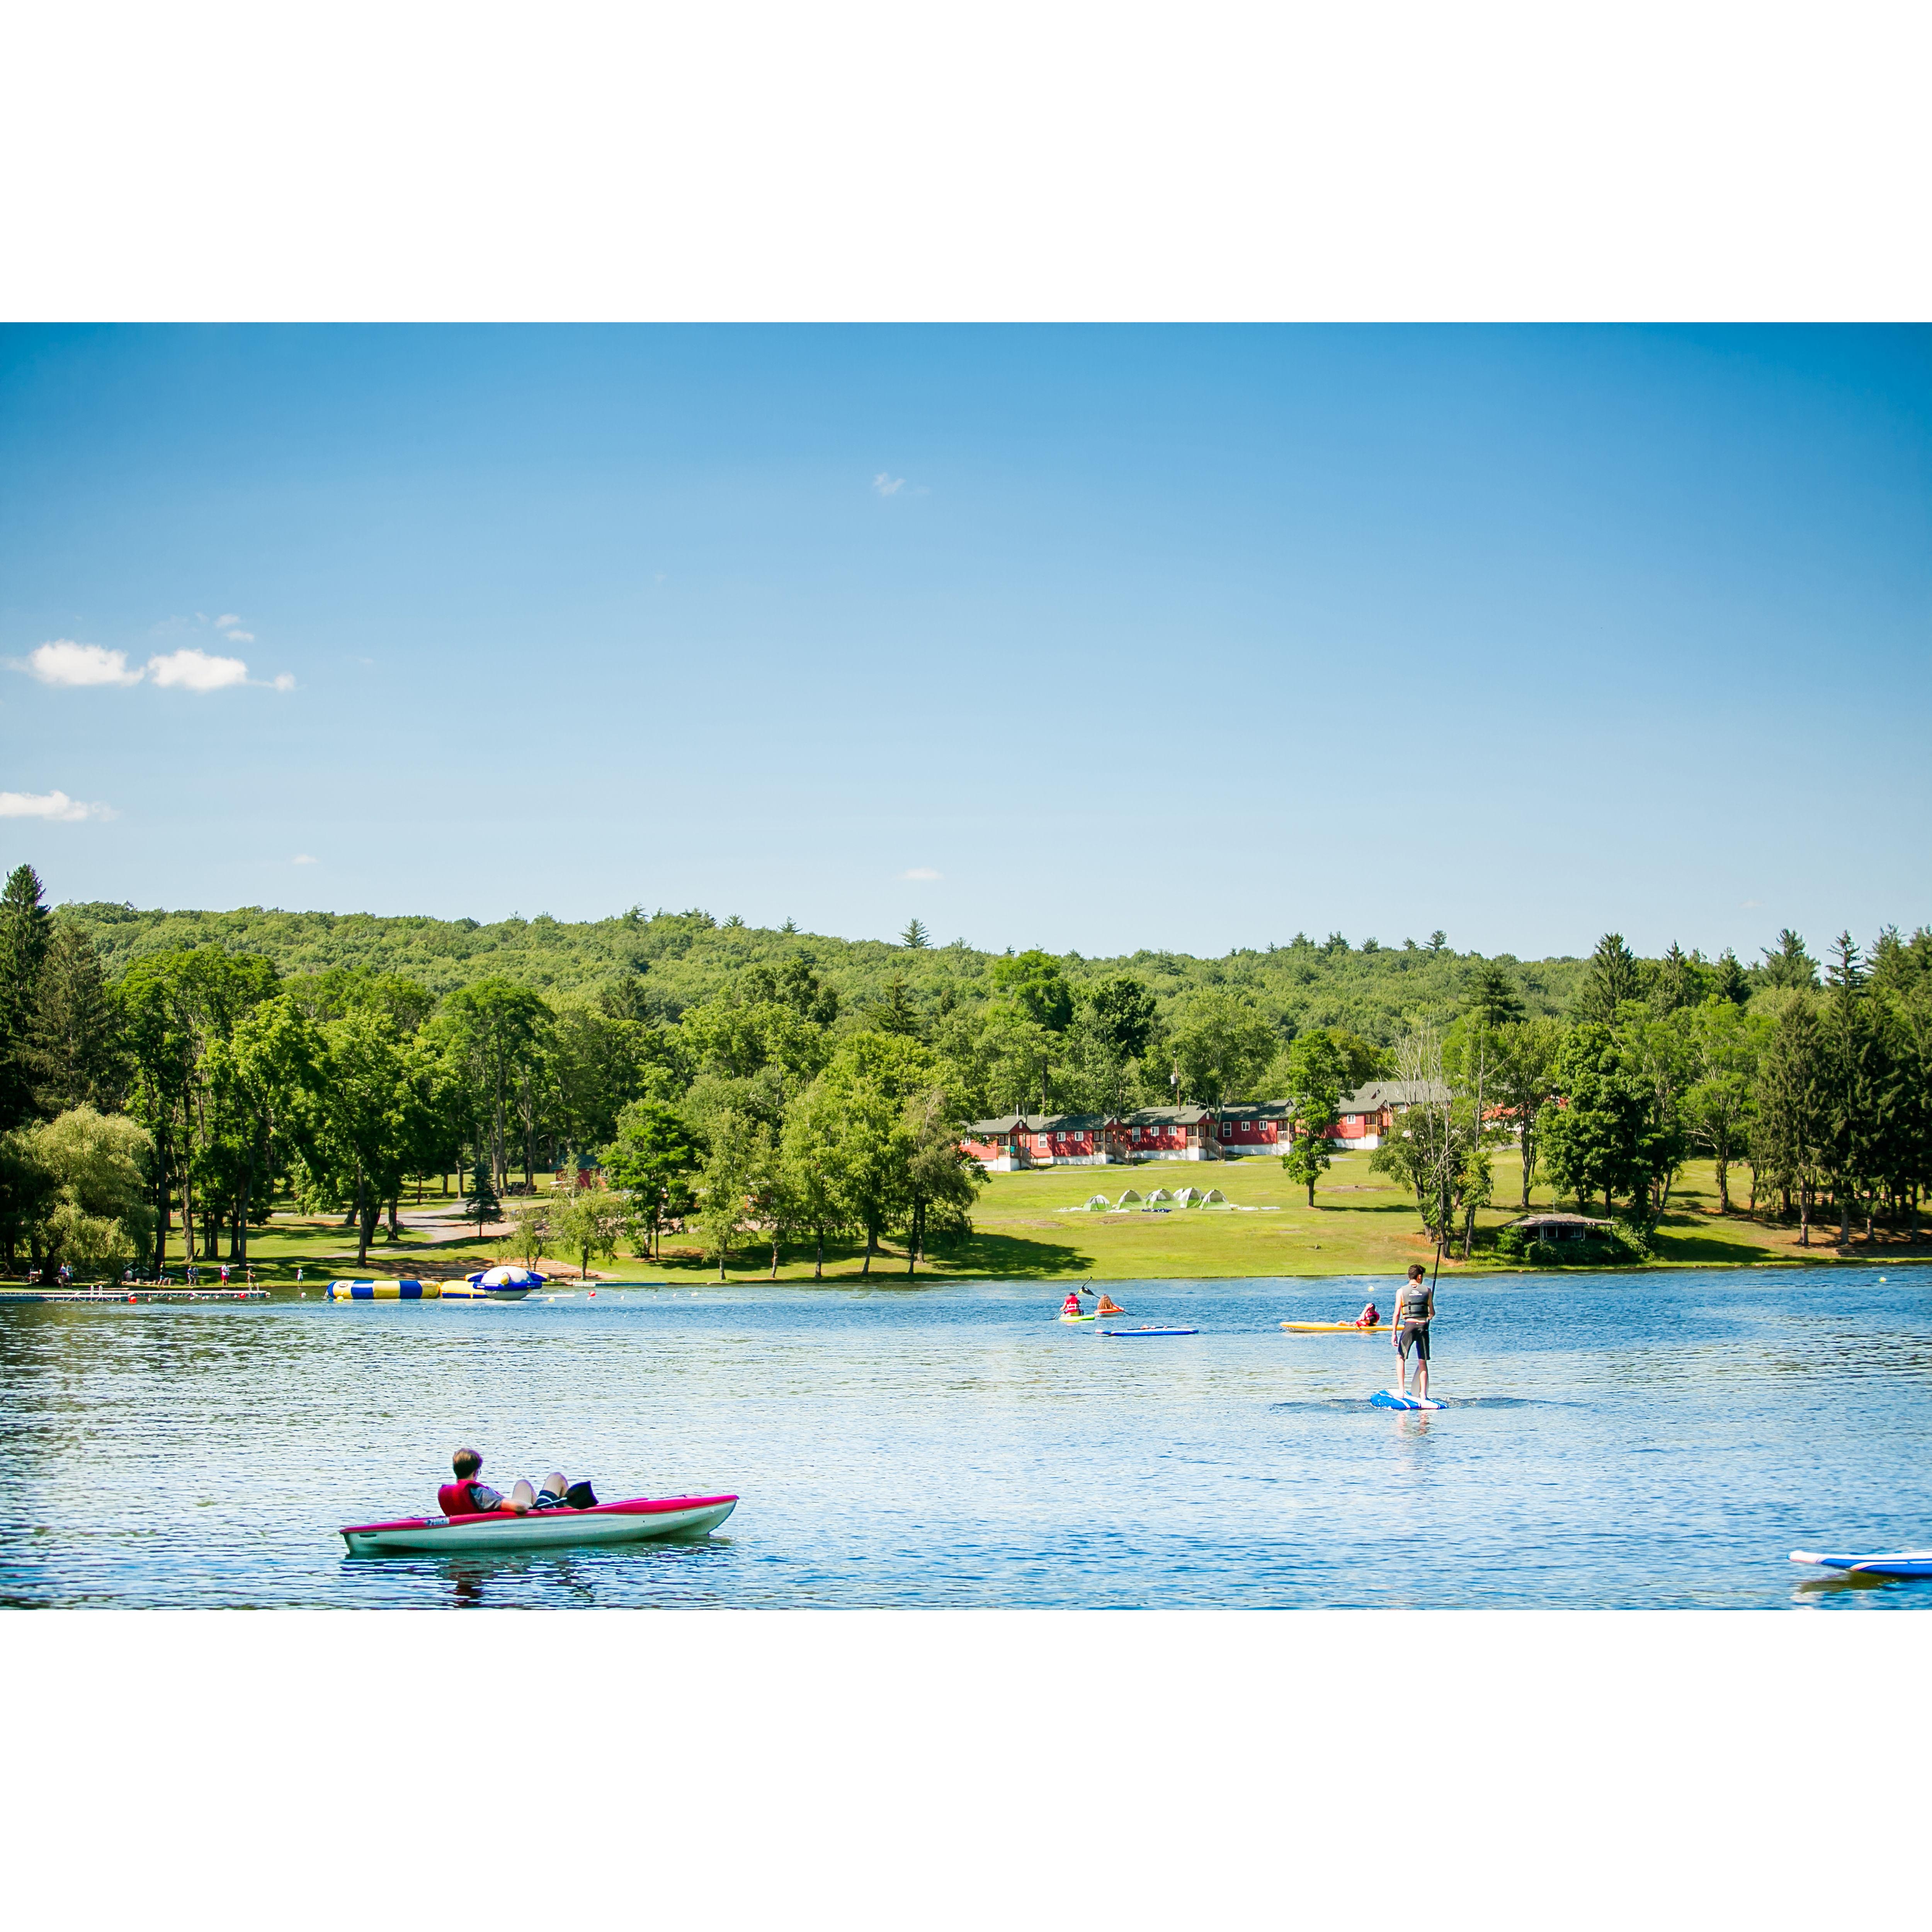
[[1369, 1318], [466, 1496]]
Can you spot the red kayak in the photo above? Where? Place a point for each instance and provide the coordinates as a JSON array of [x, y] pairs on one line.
[[641, 1520]]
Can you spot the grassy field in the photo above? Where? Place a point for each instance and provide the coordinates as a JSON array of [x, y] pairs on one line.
[[1361, 1224], [1023, 1230]]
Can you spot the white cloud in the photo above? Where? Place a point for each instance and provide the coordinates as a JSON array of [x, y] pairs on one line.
[[240, 636], [920, 872], [196, 671], [51, 805], [301, 858], [888, 485], [227, 617], [64, 661]]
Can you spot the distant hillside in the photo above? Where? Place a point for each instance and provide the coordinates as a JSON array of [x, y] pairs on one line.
[[684, 957]]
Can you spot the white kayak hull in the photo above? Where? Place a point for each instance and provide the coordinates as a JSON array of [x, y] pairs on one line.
[[1883, 1563], [542, 1529]]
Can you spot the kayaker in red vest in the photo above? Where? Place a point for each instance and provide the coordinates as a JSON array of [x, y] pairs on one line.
[[1071, 1306], [1369, 1318], [466, 1496]]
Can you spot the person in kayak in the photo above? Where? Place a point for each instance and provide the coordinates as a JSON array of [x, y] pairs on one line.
[[466, 1496], [1071, 1306], [1414, 1309], [1370, 1317], [1107, 1305]]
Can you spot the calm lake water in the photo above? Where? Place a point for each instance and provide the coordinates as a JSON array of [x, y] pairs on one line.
[[1612, 1441]]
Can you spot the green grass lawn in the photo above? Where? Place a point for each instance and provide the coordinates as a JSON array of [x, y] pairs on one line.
[[1361, 1225]]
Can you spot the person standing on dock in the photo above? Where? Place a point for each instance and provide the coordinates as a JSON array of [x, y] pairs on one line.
[[1414, 1308]]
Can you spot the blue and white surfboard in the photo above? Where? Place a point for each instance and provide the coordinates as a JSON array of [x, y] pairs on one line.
[[1885, 1563]]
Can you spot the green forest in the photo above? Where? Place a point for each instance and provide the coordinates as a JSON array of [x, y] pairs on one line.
[[168, 1080]]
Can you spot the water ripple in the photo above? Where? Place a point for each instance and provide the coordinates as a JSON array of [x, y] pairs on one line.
[[1620, 1441]]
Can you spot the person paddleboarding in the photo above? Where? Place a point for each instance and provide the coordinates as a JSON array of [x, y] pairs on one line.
[[1414, 1308]]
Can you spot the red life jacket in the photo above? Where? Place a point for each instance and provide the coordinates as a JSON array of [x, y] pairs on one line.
[[454, 1498]]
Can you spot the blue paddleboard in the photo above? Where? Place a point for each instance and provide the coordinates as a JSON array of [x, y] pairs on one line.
[[1892, 1563], [1149, 1331], [1397, 1399]]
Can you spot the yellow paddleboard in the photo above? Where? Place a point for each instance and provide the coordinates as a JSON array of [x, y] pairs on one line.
[[1334, 1328]]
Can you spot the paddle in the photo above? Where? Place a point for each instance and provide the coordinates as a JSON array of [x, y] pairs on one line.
[[1433, 1273]]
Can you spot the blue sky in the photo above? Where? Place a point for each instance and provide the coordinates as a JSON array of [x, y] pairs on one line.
[[1090, 638]]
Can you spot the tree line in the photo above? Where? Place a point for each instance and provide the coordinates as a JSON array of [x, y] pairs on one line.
[[1817, 1088], [157, 1101], [681, 959]]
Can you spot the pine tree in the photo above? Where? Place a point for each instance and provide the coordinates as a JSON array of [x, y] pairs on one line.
[[76, 1032], [1492, 996], [1615, 976], [1846, 972], [1855, 1080], [897, 1014], [1787, 1128], [482, 1205], [916, 936], [1677, 984], [1790, 966], [24, 937], [1731, 982]]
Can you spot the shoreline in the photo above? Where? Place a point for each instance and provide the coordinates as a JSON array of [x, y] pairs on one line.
[[24, 1295]]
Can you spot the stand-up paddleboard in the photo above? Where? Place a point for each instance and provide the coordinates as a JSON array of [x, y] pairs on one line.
[[1336, 1328], [1893, 1563], [1128, 1332], [1400, 1399]]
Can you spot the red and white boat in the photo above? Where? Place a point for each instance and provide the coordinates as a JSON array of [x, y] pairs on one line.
[[641, 1520]]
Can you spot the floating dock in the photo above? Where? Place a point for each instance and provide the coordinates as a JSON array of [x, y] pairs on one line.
[[138, 1292]]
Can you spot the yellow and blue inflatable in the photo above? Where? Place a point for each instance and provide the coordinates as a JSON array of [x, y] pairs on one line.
[[385, 1291]]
